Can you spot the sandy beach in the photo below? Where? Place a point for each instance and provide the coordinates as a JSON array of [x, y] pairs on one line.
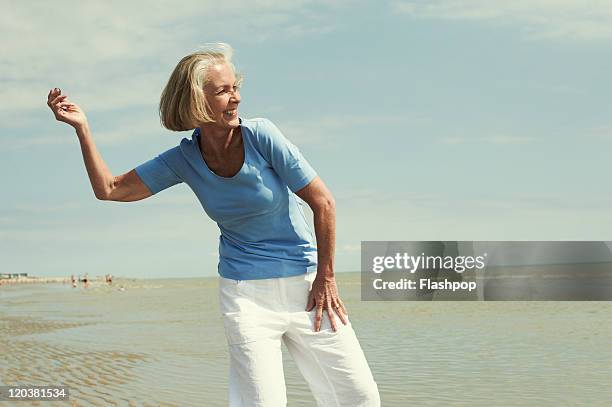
[[161, 343]]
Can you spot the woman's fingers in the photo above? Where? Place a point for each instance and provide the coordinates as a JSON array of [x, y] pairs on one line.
[[53, 102], [330, 315], [311, 302], [342, 307], [57, 101], [326, 299], [318, 317], [63, 109], [53, 93], [339, 308], [65, 106], [54, 96]]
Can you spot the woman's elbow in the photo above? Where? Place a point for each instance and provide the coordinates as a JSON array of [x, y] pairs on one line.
[[326, 204], [330, 203], [106, 194], [101, 196], [109, 191], [318, 197]]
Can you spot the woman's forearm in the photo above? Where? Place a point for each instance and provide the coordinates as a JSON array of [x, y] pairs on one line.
[[99, 175], [325, 231]]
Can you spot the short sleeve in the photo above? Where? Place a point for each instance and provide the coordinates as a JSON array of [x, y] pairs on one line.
[[284, 156], [157, 173]]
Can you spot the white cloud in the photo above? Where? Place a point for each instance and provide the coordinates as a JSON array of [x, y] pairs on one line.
[[113, 58], [502, 139], [603, 133], [137, 126], [575, 20], [454, 140], [116, 54], [405, 215], [327, 132], [350, 248], [41, 209], [499, 139]]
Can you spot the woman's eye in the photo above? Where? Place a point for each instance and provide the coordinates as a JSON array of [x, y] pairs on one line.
[[235, 88]]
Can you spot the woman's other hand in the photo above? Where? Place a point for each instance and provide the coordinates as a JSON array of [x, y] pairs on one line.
[[324, 295], [64, 110]]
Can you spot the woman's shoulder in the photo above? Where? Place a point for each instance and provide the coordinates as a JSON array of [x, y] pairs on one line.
[[187, 143], [256, 124], [262, 129], [181, 151]]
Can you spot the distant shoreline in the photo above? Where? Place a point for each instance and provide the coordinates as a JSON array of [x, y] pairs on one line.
[[34, 280]]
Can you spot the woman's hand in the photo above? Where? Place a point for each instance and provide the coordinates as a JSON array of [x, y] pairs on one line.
[[64, 110], [324, 294]]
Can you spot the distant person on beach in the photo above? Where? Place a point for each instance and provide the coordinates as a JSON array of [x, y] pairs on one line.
[[85, 281], [276, 282]]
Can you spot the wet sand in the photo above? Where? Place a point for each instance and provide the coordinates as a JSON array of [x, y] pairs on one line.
[[38, 363]]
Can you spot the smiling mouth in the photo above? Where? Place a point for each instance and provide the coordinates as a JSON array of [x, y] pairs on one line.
[[230, 113]]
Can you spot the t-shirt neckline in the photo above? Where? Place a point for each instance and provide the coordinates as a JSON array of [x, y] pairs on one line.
[[198, 134]]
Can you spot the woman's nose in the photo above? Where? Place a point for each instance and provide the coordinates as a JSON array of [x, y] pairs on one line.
[[236, 96]]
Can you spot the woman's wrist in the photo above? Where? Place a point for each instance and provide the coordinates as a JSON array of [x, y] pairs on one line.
[[82, 129], [325, 273]]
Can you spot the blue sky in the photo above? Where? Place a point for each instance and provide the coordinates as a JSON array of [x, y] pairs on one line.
[[428, 120]]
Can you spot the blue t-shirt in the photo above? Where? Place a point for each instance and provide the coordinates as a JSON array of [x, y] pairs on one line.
[[264, 233]]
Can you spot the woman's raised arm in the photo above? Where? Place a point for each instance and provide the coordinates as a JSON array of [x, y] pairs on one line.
[[124, 188]]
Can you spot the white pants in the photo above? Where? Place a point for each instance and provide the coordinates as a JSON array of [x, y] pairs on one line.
[[258, 315]]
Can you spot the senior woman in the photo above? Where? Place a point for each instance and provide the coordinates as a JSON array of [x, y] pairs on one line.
[[275, 282]]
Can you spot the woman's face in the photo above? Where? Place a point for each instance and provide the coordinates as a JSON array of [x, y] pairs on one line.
[[223, 95]]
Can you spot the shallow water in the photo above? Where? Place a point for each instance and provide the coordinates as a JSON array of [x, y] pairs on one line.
[[161, 342]]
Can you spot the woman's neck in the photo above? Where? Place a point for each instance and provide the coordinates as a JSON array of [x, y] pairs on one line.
[[218, 140]]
